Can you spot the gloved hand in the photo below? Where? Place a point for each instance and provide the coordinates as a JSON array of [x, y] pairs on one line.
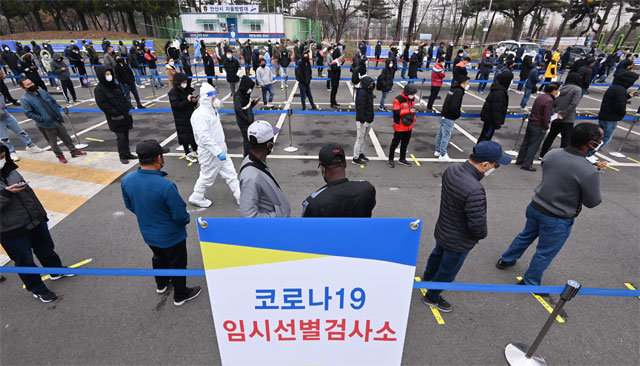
[[222, 156]]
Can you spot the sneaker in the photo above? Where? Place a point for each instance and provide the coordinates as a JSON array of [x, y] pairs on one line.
[[528, 168], [358, 161], [180, 148], [500, 264], [445, 157], [592, 159], [47, 296], [315, 108], [442, 304], [55, 277], [123, 160], [78, 153], [192, 293], [363, 157], [190, 158], [270, 105], [199, 201], [14, 156], [436, 154], [130, 156], [391, 164], [34, 149], [161, 289], [140, 106], [62, 159], [141, 86], [58, 88], [404, 162]]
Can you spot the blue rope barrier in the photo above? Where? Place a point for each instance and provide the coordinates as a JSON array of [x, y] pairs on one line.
[[474, 287]]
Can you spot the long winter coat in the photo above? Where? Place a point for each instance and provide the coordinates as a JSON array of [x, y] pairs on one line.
[[112, 102], [182, 109], [364, 100], [495, 106]]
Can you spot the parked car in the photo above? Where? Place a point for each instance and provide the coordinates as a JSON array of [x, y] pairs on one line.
[[510, 47], [578, 52]]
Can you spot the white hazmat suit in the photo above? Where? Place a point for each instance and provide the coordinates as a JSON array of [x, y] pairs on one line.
[[212, 150]]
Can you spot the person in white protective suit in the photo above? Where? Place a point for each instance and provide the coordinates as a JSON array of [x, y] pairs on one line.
[[212, 149]]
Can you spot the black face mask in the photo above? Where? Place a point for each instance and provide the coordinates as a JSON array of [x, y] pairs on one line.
[[32, 88], [59, 59], [263, 65]]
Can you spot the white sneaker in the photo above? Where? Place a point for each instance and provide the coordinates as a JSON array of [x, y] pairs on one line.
[[14, 156], [191, 158], [445, 157], [199, 201], [592, 159], [180, 148], [436, 154], [141, 86], [57, 88], [34, 149]]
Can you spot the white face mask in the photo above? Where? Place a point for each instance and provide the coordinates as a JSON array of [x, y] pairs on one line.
[[2, 162], [183, 85], [412, 97], [599, 146], [108, 77], [390, 64], [229, 56], [249, 91], [467, 87], [217, 104], [171, 63], [489, 172]]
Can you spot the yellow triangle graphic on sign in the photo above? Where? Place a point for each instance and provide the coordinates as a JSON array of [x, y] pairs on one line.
[[218, 256]]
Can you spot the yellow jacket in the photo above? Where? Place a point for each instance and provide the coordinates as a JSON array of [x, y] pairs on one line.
[[552, 68]]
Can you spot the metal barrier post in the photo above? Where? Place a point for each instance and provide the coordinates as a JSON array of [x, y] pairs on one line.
[[518, 354], [78, 144], [290, 148], [514, 152]]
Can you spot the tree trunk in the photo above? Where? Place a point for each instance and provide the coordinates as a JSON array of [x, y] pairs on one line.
[[124, 22], [83, 21], [36, 15], [108, 21], [98, 20], [398, 34], [132, 22], [532, 25], [62, 20], [10, 26], [475, 26], [603, 21], [461, 32], [615, 29], [412, 21], [518, 23], [563, 25], [493, 17], [440, 25], [366, 33], [56, 20], [147, 23]]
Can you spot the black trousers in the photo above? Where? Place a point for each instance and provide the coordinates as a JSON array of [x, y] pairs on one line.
[[174, 257], [401, 138], [432, 98], [487, 132], [5, 92], [530, 145], [334, 91], [67, 85], [122, 139], [556, 128], [245, 141]]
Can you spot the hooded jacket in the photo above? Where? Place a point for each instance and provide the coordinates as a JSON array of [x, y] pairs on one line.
[[112, 102], [57, 66], [385, 80], [587, 73], [132, 56], [621, 66], [30, 69], [403, 118], [77, 61], [526, 67], [486, 64], [231, 67], [453, 102], [205, 122], [614, 100], [10, 58], [570, 95], [182, 109], [552, 67], [494, 109], [364, 100], [533, 79], [170, 70], [246, 54], [303, 72], [243, 105], [415, 62], [124, 74], [437, 74], [209, 64], [263, 76], [539, 57], [46, 59], [19, 212], [284, 59]]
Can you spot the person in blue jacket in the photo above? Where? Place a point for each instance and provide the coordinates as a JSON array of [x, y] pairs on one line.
[[530, 85]]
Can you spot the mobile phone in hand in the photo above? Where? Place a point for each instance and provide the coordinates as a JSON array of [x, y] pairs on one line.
[[20, 185]]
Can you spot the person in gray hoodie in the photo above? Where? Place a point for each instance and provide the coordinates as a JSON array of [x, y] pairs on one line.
[[62, 72], [565, 106], [260, 193], [265, 82]]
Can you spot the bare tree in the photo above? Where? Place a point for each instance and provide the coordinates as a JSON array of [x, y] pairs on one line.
[[341, 11], [398, 33]]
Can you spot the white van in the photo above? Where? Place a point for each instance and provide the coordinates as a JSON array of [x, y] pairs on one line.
[[510, 47]]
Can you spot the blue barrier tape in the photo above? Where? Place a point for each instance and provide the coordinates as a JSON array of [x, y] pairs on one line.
[[475, 287]]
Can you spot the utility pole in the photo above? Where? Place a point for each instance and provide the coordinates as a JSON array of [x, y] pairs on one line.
[[485, 28]]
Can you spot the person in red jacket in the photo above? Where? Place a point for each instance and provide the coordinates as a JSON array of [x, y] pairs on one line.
[[404, 117], [537, 127], [437, 75]]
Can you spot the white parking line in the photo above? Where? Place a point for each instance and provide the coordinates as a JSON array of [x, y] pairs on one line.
[[372, 134], [287, 105]]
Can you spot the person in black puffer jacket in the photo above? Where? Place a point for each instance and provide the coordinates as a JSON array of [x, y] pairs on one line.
[[231, 67], [243, 107], [385, 82], [112, 102], [586, 71], [303, 75], [414, 63], [462, 221], [364, 118], [495, 106], [127, 81], [183, 103], [525, 69], [23, 228]]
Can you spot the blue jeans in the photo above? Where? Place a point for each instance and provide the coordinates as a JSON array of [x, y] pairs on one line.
[[443, 266], [126, 88], [383, 98], [52, 80], [136, 72], [609, 127], [604, 75], [525, 97], [154, 74], [10, 123], [19, 248], [444, 135], [305, 91], [265, 89], [404, 72], [283, 75], [551, 232], [481, 86]]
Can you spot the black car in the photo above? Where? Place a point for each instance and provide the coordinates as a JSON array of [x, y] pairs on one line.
[[578, 52]]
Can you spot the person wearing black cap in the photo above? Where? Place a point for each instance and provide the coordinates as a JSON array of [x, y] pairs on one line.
[[462, 221], [162, 216], [404, 117], [340, 197], [494, 109]]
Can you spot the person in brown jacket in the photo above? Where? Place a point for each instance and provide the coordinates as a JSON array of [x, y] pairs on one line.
[[538, 125], [170, 70]]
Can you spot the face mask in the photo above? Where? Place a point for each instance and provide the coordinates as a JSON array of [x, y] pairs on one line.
[[2, 162], [467, 87], [597, 147], [263, 65], [216, 104], [183, 85], [249, 91], [270, 148], [59, 59], [6, 49], [171, 63], [32, 88], [412, 97], [390, 64], [108, 77], [229, 56], [119, 61], [489, 172]]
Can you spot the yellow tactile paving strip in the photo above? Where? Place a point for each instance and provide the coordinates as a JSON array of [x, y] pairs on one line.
[[59, 202], [68, 171]]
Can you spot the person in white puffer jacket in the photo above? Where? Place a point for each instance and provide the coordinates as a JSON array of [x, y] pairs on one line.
[[212, 149]]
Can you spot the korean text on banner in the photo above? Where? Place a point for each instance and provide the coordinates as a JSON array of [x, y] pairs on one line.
[[310, 291]]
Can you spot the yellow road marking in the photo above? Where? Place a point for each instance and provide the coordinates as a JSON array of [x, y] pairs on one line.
[[414, 159], [94, 103], [436, 313], [81, 263], [634, 160], [190, 164], [614, 168], [92, 139], [59, 202], [68, 171], [95, 157], [151, 105], [362, 166], [462, 110], [182, 157], [630, 287], [545, 304]]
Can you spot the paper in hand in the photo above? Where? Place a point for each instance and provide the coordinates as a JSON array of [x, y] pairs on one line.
[[554, 117]]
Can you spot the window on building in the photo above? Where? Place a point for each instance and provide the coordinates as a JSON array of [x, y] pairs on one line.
[[256, 28], [209, 27]]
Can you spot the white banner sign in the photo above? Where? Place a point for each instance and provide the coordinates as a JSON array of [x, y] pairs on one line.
[[565, 41], [229, 8], [425, 35]]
